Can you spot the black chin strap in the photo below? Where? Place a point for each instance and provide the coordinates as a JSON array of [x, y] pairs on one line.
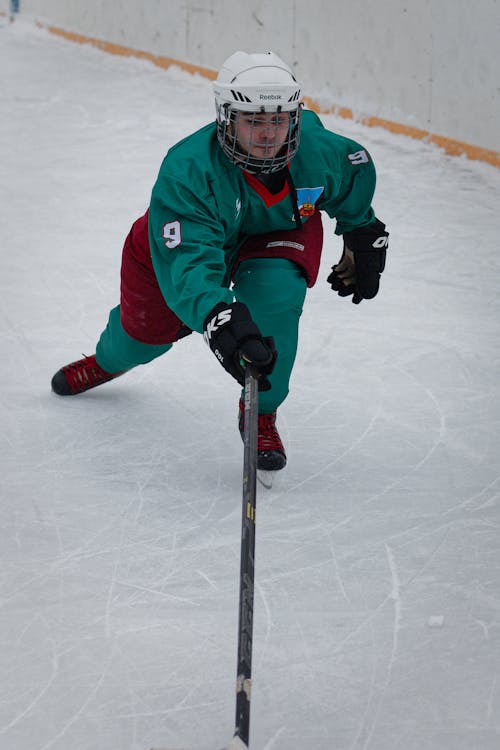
[[293, 197]]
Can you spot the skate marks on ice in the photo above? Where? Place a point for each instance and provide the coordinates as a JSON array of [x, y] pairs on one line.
[[423, 532]]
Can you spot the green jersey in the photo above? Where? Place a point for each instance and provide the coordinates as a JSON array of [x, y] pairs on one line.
[[203, 207]]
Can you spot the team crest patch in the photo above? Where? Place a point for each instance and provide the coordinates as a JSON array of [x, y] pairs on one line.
[[306, 199]]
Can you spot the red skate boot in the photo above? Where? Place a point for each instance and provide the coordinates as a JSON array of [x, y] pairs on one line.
[[80, 376], [271, 455]]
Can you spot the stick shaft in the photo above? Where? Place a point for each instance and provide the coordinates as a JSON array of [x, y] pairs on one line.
[[247, 564]]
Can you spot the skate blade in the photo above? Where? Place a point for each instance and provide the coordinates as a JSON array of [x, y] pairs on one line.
[[266, 478]]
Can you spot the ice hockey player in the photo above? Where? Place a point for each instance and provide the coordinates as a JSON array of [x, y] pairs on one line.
[[233, 236]]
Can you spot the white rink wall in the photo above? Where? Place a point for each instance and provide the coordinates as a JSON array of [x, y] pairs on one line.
[[426, 64]]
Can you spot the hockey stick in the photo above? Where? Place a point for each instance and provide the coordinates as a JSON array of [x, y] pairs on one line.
[[247, 568]]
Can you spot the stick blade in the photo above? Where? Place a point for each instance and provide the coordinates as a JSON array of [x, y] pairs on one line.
[[235, 744]]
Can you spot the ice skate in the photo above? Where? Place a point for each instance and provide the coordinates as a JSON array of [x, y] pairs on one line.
[[80, 376], [271, 456]]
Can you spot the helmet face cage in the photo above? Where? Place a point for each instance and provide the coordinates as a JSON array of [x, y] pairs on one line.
[[227, 124], [255, 91]]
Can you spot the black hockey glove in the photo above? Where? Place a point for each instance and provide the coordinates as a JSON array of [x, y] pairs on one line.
[[233, 336], [362, 262]]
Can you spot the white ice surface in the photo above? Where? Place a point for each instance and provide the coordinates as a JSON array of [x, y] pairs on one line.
[[120, 509]]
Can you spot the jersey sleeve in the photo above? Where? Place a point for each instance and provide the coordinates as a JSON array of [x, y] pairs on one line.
[[186, 239], [351, 204]]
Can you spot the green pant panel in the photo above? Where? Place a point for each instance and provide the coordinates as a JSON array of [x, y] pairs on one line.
[[117, 351], [274, 291]]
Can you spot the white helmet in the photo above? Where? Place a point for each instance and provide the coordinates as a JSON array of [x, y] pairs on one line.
[[256, 83]]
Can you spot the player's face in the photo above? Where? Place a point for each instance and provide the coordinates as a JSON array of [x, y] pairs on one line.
[[262, 134]]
